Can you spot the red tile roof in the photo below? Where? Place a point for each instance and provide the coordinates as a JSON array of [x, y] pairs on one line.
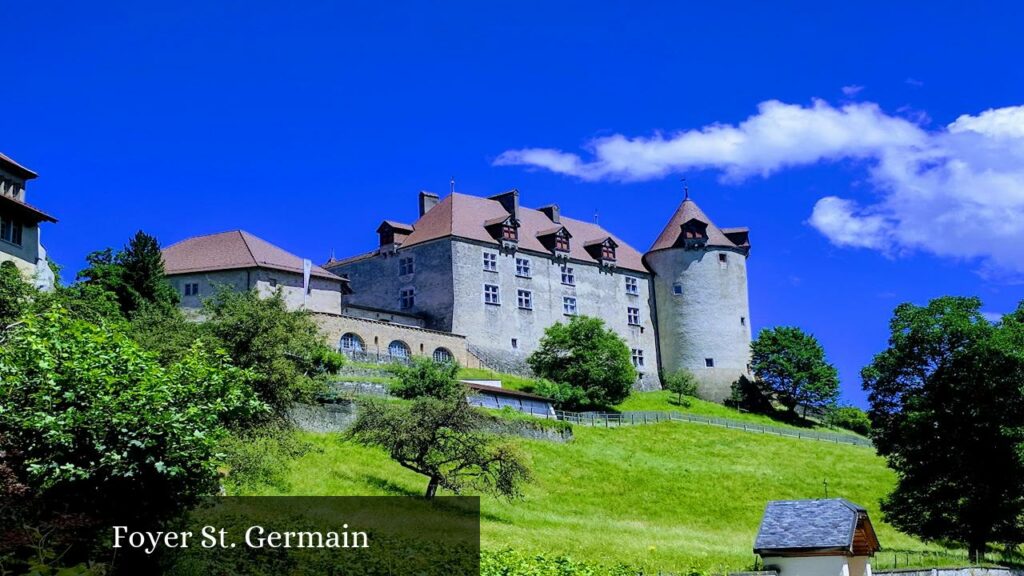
[[12, 166], [464, 216], [25, 210], [233, 250], [687, 211]]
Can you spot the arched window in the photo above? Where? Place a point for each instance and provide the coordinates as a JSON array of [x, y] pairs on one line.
[[443, 355], [351, 343], [398, 349]]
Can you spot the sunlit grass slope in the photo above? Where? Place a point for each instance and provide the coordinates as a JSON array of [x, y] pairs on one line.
[[667, 496]]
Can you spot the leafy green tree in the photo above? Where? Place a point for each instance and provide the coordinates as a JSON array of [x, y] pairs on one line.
[[851, 418], [134, 274], [282, 347], [424, 377], [441, 439], [587, 356], [683, 384], [15, 294], [947, 412], [790, 365], [101, 429]]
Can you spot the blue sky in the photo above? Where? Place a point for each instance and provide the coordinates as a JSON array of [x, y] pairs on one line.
[[853, 140]]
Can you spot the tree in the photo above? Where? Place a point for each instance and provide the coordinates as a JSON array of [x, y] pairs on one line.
[[682, 383], [947, 412], [282, 347], [15, 294], [851, 418], [440, 439], [424, 377], [92, 425], [588, 357], [790, 365], [135, 274]]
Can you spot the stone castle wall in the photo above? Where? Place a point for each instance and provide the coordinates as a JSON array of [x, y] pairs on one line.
[[710, 319], [377, 337]]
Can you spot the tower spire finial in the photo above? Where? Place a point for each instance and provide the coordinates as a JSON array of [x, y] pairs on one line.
[[686, 189], [453, 184]]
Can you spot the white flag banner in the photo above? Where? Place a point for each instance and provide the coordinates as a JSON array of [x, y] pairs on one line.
[[307, 267]]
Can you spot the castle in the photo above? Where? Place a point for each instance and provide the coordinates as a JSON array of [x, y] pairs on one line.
[[479, 279], [500, 273]]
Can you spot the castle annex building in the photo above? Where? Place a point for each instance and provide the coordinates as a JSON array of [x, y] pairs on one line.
[[500, 273]]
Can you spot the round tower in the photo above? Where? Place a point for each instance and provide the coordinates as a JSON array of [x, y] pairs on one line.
[[700, 292]]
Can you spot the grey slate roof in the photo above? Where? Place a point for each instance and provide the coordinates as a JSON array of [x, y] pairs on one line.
[[808, 525]]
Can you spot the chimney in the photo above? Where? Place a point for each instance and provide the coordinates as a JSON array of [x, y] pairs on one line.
[[552, 212], [427, 201], [509, 201]]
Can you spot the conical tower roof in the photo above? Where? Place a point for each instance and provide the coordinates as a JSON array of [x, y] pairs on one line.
[[717, 237]]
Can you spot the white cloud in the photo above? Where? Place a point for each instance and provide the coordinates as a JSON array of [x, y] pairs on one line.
[[852, 90], [956, 192]]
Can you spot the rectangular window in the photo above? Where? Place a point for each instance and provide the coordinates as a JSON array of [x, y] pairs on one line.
[[192, 289], [709, 362], [633, 314], [723, 261], [525, 299], [408, 298], [491, 261], [743, 320], [569, 305], [638, 358], [491, 294], [10, 230], [632, 287], [515, 343], [607, 253], [568, 277], [523, 267], [677, 289], [509, 233], [561, 243], [405, 266]]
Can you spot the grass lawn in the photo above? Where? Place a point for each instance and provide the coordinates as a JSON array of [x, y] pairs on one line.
[[668, 496], [664, 401]]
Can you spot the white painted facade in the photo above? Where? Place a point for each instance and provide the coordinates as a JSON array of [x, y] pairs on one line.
[[819, 565]]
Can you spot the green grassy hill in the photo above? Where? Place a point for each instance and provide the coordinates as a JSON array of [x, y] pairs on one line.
[[669, 496]]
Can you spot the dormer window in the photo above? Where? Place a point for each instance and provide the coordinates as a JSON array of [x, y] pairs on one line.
[[504, 229], [556, 240], [392, 234], [694, 234], [602, 250]]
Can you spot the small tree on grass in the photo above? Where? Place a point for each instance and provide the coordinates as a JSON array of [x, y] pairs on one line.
[[790, 365], [588, 357], [683, 384], [440, 439]]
